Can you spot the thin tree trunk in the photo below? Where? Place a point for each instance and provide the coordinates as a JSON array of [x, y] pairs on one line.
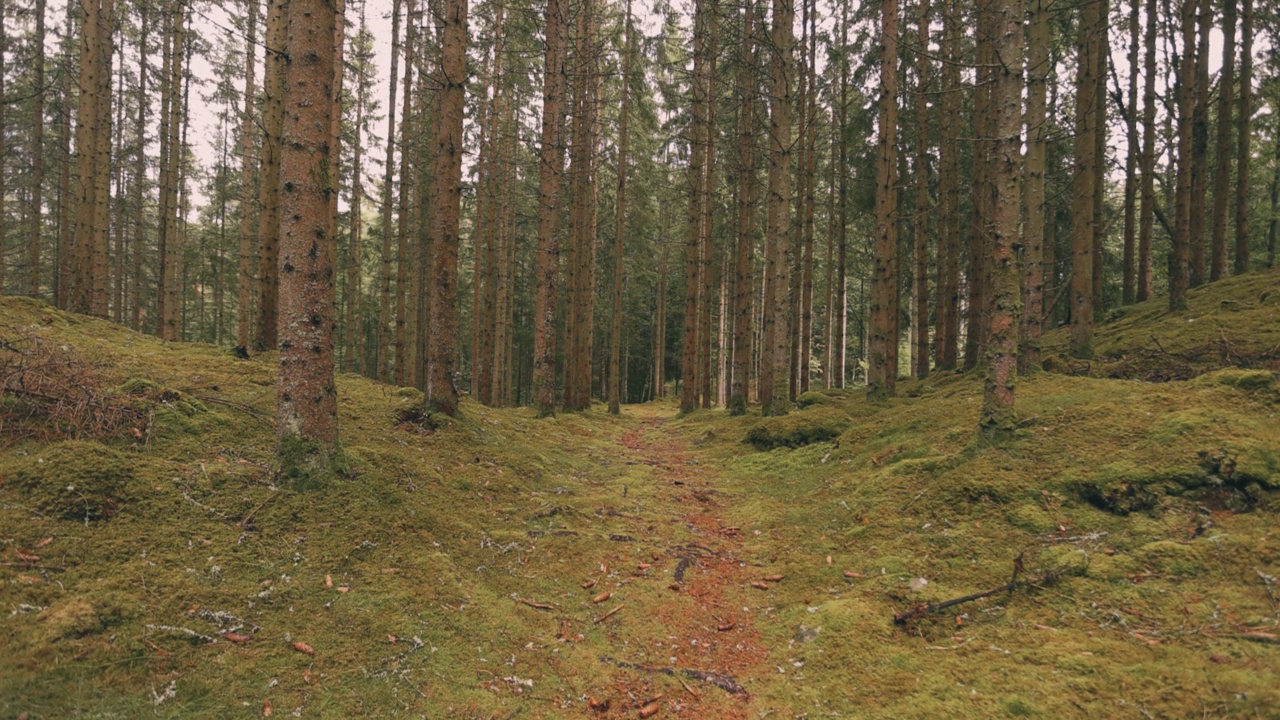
[[619, 223], [744, 242], [693, 267], [140, 168], [709, 267], [920, 354], [842, 285], [551, 168], [404, 254], [774, 374], [1200, 143], [1146, 226], [1033, 251], [1222, 154], [1128, 273], [1082, 210], [882, 376], [385, 337], [810, 172], [1180, 264], [355, 248], [1242, 144], [35, 234], [269, 179], [245, 291]]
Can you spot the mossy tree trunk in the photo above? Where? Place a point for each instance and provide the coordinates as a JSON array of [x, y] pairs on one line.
[[307, 398]]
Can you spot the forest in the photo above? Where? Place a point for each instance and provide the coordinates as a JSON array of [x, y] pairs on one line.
[[573, 358]]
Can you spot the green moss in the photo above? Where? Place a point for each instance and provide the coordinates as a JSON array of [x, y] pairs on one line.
[[798, 429], [1171, 558], [815, 397], [305, 464], [76, 480]]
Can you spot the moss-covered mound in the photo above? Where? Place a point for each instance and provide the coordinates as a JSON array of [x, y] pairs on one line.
[[797, 429], [1228, 323], [75, 480]]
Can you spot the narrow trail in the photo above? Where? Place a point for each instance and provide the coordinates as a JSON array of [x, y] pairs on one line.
[[708, 639]]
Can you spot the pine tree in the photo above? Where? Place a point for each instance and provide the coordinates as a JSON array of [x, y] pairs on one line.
[[882, 374]]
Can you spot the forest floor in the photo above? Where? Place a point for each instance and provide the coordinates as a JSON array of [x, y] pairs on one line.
[[648, 565]]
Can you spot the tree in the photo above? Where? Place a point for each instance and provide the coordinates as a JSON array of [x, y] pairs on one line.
[[1088, 62], [882, 373], [307, 398], [1243, 152], [1222, 153], [1146, 225], [244, 297], [774, 366], [694, 284], [998, 419], [265, 337], [1180, 263], [35, 233], [619, 222], [384, 338], [1037, 55], [442, 396], [948, 285], [743, 259], [920, 351], [551, 168]]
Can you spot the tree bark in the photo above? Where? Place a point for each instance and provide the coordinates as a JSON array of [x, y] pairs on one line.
[[998, 419], [1200, 143], [1082, 186], [620, 223], [551, 168], [1033, 188], [920, 353], [744, 241], [882, 374], [693, 249], [442, 344], [1128, 273], [404, 344], [35, 234], [1222, 154], [774, 365], [265, 337], [1146, 226], [1180, 263], [307, 400], [1242, 144], [244, 295]]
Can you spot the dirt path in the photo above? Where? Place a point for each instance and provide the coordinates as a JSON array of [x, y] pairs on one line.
[[709, 640]]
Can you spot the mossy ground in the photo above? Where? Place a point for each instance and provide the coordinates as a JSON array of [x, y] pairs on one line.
[[408, 580]]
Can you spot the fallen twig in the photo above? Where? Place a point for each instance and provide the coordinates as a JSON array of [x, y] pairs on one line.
[[609, 614], [533, 603]]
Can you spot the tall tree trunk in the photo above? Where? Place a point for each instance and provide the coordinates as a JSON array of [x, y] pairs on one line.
[[1222, 154], [87, 130], [551, 168], [4, 128], [882, 375], [744, 240], [35, 233], [810, 101], [998, 419], [245, 294], [355, 248], [620, 223], [842, 284], [709, 266], [976, 274], [404, 254], [1102, 52], [1082, 187], [265, 337], [485, 233], [1242, 144], [142, 100], [385, 337], [1037, 138], [774, 374], [1128, 285], [693, 266], [920, 353], [164, 204], [1200, 143], [442, 347], [1180, 263], [1146, 225], [65, 257], [307, 401]]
